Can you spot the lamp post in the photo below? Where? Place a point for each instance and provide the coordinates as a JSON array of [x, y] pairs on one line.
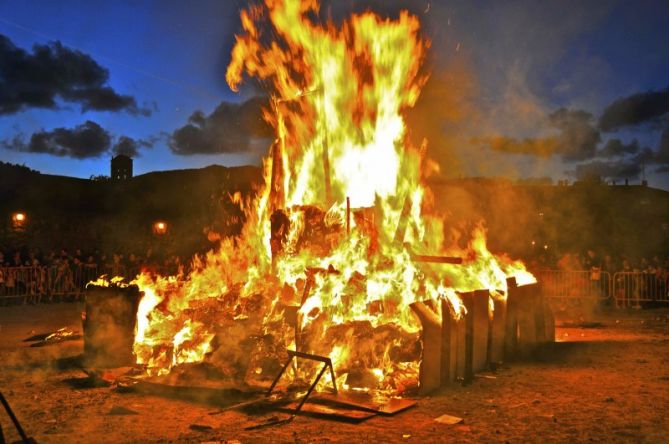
[[19, 220], [160, 227]]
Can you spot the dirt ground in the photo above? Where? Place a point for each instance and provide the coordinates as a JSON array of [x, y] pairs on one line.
[[608, 382]]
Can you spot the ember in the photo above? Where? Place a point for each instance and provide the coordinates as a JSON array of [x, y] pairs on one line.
[[342, 239]]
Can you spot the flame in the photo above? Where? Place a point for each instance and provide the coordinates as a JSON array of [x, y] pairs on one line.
[[341, 158]]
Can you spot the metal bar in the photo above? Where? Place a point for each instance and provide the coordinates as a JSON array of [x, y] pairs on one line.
[[276, 380], [334, 381], [311, 389], [309, 356], [19, 429]]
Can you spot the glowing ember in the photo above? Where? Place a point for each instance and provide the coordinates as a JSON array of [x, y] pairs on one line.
[[324, 262]]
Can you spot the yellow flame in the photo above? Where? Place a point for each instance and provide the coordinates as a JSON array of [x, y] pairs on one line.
[[341, 158]]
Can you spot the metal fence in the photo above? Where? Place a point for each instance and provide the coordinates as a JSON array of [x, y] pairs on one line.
[[630, 289], [67, 282], [575, 285], [621, 289], [44, 284], [63, 282]]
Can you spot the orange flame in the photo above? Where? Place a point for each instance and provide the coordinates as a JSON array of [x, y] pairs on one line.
[[338, 100]]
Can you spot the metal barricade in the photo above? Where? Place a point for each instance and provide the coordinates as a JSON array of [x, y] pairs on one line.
[[575, 285], [62, 284], [631, 288], [22, 284]]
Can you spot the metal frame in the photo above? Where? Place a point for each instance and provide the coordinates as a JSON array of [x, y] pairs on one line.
[[24, 438], [327, 363]]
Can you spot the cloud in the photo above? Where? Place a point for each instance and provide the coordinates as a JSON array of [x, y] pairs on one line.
[[88, 140], [229, 129], [631, 160], [662, 154], [635, 109], [577, 138], [130, 147], [81, 142], [52, 72], [615, 148]]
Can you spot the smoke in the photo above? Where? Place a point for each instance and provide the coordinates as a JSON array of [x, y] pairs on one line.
[[230, 128], [51, 72], [636, 109], [577, 138]]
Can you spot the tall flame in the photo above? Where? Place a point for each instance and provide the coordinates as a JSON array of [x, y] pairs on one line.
[[341, 158]]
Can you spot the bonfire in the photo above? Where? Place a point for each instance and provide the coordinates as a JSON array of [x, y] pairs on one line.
[[342, 238]]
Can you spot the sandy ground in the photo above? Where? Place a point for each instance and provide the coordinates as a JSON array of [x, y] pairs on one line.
[[607, 384]]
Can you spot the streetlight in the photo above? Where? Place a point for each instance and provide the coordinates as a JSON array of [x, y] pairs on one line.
[[19, 219], [160, 227]]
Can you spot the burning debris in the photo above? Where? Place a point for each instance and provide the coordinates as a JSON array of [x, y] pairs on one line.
[[341, 255]]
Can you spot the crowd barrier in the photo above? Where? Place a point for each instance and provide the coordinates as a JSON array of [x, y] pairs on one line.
[[575, 285], [55, 283], [63, 282], [620, 289], [632, 288]]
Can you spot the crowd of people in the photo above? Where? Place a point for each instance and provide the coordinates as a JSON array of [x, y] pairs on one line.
[[31, 276]]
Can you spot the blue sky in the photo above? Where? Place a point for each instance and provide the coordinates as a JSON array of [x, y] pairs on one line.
[[527, 58]]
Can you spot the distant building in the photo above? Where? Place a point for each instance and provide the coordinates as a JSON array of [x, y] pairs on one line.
[[121, 167]]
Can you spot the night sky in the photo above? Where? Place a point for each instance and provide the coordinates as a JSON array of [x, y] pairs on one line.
[[560, 88]]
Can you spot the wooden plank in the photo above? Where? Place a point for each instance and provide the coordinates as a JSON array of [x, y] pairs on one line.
[[430, 365], [498, 331], [327, 412], [396, 405], [511, 330], [468, 371], [389, 407], [527, 328], [481, 321], [449, 344]]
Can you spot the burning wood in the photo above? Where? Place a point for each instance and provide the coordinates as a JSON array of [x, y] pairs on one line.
[[338, 256]]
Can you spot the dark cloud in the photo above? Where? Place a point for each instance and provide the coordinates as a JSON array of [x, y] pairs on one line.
[[635, 109], [631, 160], [612, 170], [616, 148], [577, 138], [229, 129], [130, 147], [83, 141], [88, 140], [51, 72], [662, 154], [659, 156]]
